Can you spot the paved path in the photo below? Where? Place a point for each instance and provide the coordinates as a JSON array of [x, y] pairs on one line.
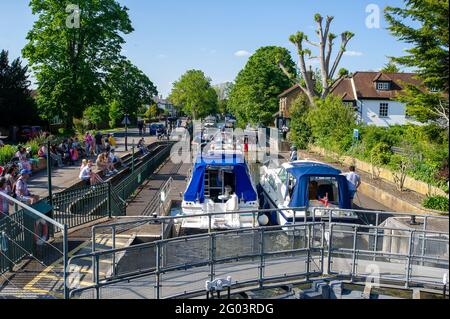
[[67, 176]]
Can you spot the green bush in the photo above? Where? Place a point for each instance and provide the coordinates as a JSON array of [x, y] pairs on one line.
[[300, 132], [436, 203], [7, 153]]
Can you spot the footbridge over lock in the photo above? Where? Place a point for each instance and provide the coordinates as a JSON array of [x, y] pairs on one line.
[[261, 257]]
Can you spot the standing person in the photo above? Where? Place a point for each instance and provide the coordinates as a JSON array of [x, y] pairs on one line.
[[112, 141], [89, 144], [294, 154], [98, 143], [140, 127], [354, 182], [21, 188], [4, 203]]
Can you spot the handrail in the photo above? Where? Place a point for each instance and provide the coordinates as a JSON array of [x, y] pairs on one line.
[[32, 210]]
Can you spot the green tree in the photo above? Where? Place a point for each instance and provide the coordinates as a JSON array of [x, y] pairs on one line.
[[343, 72], [390, 67], [325, 48], [332, 124], [194, 94], [71, 49], [129, 88], [254, 96], [16, 103], [97, 116], [152, 112], [223, 92], [300, 132], [429, 35]]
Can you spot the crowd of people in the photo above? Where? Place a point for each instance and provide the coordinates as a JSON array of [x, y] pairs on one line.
[[98, 150]]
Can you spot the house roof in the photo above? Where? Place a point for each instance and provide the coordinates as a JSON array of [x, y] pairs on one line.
[[343, 88], [290, 90], [365, 88]]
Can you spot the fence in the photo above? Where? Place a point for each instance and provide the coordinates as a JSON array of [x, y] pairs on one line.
[[408, 256], [78, 206], [27, 248], [180, 266]]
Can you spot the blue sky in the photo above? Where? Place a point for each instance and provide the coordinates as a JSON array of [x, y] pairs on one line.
[[173, 36]]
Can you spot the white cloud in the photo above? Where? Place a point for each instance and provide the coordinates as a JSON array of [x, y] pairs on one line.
[[162, 56], [353, 53], [242, 53]]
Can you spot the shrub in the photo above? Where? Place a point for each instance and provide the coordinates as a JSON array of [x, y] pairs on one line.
[[332, 124], [300, 130], [7, 153], [436, 203]]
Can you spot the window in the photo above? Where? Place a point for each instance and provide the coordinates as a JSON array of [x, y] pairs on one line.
[[323, 188], [384, 110], [383, 86]]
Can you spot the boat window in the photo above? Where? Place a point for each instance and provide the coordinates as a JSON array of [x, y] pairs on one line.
[[272, 183], [322, 189], [219, 182], [283, 175], [292, 183]]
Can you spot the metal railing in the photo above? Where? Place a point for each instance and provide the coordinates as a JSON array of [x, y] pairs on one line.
[[180, 266], [28, 247], [204, 257], [395, 254]]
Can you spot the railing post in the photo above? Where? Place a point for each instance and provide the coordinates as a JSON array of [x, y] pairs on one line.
[[212, 256], [408, 264], [424, 238], [97, 276], [114, 247], [93, 257], [132, 159], [308, 247], [375, 248], [65, 262], [261, 252], [209, 223], [158, 269], [322, 247], [330, 244], [355, 236], [109, 206], [49, 174]]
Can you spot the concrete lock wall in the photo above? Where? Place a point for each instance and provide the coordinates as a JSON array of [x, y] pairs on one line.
[[385, 174]]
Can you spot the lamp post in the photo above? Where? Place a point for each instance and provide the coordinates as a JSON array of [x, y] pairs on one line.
[[126, 131], [49, 173]]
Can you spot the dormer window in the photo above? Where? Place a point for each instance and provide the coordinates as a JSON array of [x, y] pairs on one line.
[[383, 86]]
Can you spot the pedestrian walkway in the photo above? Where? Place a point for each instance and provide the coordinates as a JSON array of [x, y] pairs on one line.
[[67, 176]]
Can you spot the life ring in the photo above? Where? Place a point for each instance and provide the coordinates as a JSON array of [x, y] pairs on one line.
[[40, 232]]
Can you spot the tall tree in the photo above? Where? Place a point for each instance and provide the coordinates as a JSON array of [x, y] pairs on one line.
[[16, 104], [254, 96], [130, 88], [223, 92], [194, 94], [325, 47], [390, 67], [71, 48], [429, 35]]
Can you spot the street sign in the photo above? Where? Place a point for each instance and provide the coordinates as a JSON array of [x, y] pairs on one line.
[[126, 121], [356, 134]]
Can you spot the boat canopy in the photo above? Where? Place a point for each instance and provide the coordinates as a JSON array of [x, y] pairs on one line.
[[303, 171], [236, 162]]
